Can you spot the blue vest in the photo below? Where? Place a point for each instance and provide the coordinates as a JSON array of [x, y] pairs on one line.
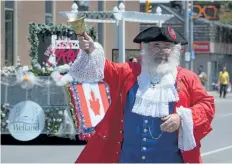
[[138, 145]]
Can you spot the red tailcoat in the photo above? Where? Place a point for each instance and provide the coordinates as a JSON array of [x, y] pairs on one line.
[[105, 144]]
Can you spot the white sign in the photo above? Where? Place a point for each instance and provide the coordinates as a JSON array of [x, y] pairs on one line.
[[187, 56], [26, 121]]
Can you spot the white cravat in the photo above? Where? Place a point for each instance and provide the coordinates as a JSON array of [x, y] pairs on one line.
[[154, 100]]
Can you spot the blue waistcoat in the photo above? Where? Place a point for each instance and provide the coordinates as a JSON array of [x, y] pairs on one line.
[[138, 145]]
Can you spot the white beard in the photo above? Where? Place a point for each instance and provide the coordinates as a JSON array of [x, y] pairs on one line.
[[154, 100], [160, 68]]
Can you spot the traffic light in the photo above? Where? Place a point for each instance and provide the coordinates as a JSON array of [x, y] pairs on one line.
[[148, 6], [177, 5]]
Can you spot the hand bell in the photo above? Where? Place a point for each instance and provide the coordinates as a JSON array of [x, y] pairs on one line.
[[78, 24]]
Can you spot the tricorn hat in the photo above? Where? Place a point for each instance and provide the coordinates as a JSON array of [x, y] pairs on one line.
[[165, 34]]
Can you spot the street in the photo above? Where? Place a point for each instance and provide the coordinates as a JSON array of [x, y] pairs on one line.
[[216, 147]]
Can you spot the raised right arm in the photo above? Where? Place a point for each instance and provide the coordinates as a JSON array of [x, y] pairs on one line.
[[89, 67], [94, 67]]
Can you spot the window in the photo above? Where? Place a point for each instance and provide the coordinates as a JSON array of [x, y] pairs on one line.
[[48, 18], [48, 11], [9, 4], [9, 33]]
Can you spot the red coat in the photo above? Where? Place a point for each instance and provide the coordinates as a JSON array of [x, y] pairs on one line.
[[105, 144]]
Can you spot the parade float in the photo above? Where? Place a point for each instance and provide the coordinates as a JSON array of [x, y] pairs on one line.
[[43, 98]]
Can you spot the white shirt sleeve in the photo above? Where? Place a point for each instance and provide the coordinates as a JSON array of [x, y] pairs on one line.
[[89, 67]]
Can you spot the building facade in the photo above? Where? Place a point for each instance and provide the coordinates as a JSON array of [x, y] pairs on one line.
[[16, 16], [212, 41]]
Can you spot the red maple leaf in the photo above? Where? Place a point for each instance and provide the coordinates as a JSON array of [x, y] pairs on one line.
[[94, 104]]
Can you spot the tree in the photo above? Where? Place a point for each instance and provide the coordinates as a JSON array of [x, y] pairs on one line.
[[226, 12]]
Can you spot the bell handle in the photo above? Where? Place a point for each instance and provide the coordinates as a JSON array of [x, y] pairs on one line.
[[83, 35]]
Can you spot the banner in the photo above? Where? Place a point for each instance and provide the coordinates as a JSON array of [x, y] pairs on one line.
[[62, 49]]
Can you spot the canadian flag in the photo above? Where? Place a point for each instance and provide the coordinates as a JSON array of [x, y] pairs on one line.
[[94, 102]]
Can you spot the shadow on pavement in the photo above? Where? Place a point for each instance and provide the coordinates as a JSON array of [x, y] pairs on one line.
[[41, 140]]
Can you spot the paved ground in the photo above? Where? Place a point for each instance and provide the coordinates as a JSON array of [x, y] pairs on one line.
[[216, 147]]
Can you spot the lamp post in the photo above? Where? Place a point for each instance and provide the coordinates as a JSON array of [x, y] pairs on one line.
[[159, 12], [120, 17], [121, 36], [187, 53], [191, 39], [118, 14]]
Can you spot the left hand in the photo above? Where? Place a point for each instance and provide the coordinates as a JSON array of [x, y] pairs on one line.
[[171, 123]]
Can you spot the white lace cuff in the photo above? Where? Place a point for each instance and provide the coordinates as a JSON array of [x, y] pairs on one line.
[[89, 67], [186, 139]]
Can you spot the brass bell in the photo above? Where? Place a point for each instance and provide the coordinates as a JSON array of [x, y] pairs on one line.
[[78, 25]]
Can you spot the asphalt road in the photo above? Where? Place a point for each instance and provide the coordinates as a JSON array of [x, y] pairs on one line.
[[216, 147]]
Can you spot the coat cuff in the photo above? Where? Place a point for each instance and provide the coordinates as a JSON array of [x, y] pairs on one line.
[[89, 67], [186, 139]]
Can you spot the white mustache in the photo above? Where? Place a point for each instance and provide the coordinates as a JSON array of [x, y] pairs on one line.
[[164, 58]]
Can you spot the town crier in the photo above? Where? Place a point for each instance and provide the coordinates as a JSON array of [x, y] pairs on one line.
[[159, 111]]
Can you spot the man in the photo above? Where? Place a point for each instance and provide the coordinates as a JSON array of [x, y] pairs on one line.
[[155, 103], [223, 81], [202, 75], [132, 59]]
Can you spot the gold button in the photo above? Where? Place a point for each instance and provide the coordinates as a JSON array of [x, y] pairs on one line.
[[121, 132], [104, 137], [178, 89], [179, 79], [116, 152], [122, 121], [119, 142]]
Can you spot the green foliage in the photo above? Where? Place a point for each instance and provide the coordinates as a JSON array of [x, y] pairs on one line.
[[226, 4], [36, 30], [226, 12]]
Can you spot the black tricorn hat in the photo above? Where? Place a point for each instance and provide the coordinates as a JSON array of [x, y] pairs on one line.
[[165, 34]]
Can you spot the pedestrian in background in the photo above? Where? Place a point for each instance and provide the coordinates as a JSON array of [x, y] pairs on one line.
[[132, 59], [202, 75], [223, 80]]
